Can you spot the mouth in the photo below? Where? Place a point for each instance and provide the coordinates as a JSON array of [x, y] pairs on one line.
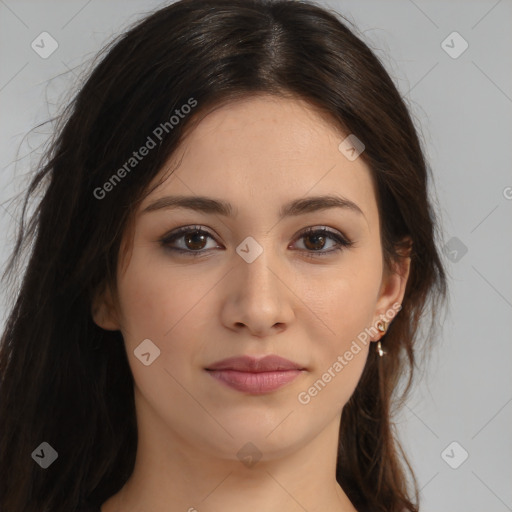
[[255, 383], [255, 376]]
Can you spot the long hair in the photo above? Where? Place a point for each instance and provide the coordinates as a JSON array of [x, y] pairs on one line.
[[67, 382]]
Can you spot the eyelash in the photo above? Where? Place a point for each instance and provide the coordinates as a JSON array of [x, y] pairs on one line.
[[342, 242]]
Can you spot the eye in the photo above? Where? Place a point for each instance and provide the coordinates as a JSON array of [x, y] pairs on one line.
[[195, 239], [319, 237]]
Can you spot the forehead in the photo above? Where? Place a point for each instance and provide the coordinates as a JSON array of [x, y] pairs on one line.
[[264, 127], [261, 152]]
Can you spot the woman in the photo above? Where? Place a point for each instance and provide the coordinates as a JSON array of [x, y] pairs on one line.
[[231, 258]]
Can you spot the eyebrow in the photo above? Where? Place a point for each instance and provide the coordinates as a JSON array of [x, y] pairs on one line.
[[219, 207]]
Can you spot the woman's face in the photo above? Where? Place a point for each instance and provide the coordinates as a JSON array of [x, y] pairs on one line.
[[251, 283]]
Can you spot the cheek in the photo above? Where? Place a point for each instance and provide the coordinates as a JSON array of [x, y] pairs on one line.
[[160, 303], [346, 307], [347, 297], [164, 306]]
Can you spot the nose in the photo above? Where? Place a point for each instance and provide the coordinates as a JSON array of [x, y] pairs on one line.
[[258, 297]]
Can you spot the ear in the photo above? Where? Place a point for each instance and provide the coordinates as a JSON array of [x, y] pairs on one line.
[[103, 310], [393, 285]]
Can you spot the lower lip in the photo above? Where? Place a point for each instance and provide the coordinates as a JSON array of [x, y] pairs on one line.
[[256, 383]]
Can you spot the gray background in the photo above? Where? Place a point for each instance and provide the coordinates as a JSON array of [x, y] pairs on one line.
[[463, 109]]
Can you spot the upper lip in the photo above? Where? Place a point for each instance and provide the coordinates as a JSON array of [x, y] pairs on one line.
[[269, 363]]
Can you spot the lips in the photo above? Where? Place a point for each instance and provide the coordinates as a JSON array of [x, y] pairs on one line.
[[255, 376], [251, 364]]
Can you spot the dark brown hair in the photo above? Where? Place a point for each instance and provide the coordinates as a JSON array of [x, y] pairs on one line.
[[66, 381]]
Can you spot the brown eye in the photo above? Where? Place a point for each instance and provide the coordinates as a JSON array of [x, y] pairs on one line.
[[194, 240], [316, 239]]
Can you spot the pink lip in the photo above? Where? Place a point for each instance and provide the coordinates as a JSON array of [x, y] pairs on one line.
[[256, 376]]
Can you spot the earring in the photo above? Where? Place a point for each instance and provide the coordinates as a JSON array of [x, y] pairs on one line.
[[382, 327]]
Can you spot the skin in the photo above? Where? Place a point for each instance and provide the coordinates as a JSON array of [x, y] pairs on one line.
[[257, 154]]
